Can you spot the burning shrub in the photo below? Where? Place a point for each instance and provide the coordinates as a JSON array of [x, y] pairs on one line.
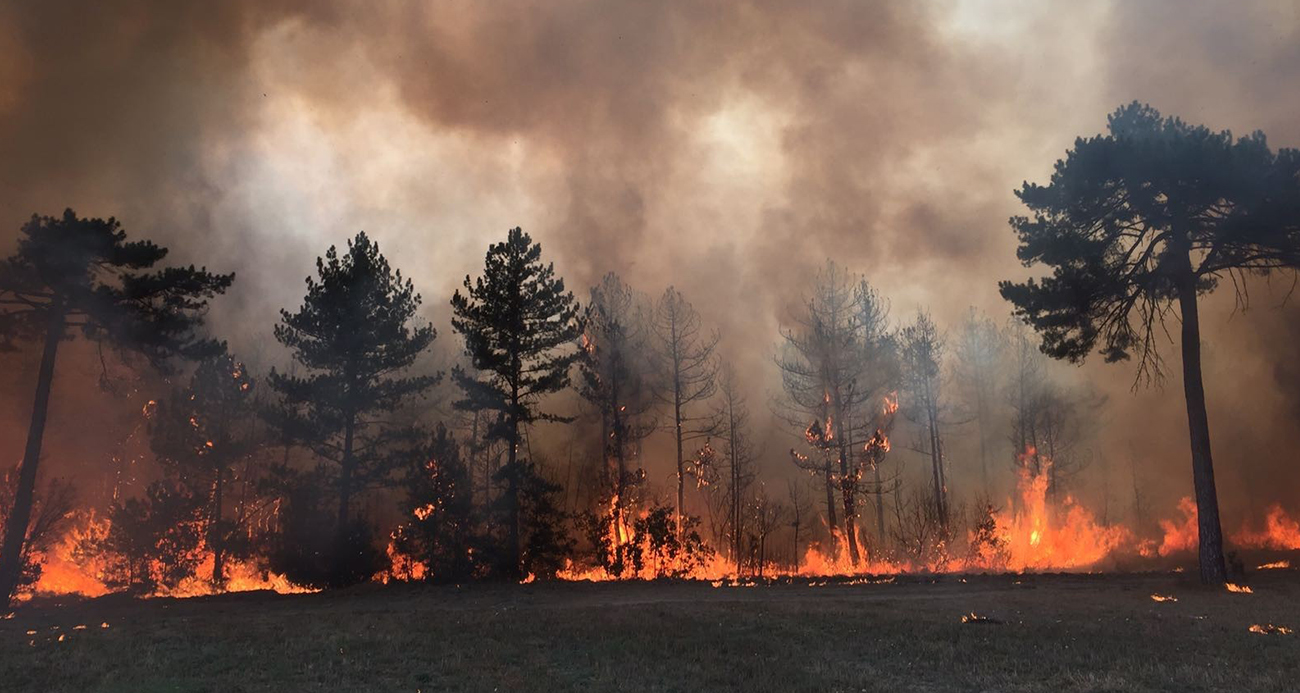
[[988, 549], [648, 547], [48, 522], [442, 532], [153, 542]]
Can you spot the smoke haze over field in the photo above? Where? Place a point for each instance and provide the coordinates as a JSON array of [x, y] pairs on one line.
[[727, 148]]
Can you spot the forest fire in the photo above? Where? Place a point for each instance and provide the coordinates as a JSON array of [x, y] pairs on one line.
[[73, 567], [1032, 534]]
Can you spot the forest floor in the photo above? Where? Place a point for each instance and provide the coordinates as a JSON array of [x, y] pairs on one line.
[[1048, 633]]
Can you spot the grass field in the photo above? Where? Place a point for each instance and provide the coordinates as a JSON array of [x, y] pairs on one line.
[[1049, 633]]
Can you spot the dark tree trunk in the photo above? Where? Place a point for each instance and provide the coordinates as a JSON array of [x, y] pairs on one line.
[[1198, 424], [830, 502], [880, 505], [850, 511], [345, 474], [681, 472], [513, 553], [15, 536], [217, 533]]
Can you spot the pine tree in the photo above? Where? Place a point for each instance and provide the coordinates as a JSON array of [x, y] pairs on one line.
[[201, 434], [688, 376], [71, 273], [443, 530], [518, 324], [354, 335], [1155, 213], [615, 369]]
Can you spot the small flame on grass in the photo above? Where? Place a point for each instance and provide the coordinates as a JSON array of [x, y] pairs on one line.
[[1240, 589], [1270, 629], [1163, 597], [1275, 565]]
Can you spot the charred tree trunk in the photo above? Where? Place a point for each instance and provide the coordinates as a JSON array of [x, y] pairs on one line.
[[880, 505], [345, 474], [513, 570], [15, 536], [1198, 424], [681, 472], [831, 522], [217, 534], [850, 511]]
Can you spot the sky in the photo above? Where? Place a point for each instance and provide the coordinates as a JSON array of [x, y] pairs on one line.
[[725, 148]]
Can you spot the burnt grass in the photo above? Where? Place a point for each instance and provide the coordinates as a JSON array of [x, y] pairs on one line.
[[1042, 633]]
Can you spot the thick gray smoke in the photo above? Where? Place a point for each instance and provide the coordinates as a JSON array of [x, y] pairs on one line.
[[727, 148]]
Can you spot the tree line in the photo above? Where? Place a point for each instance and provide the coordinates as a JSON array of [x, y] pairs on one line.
[[298, 469]]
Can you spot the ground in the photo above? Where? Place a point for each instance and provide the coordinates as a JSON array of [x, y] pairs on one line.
[[1048, 633]]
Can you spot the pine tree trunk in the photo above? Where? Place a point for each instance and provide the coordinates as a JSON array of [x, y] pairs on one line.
[[345, 474], [831, 522], [850, 511], [1198, 424], [15, 536], [681, 472], [514, 555], [218, 539], [880, 505]]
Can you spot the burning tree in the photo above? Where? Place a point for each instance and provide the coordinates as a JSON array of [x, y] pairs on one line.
[[74, 273], [442, 530], [517, 321], [616, 374], [833, 363], [1156, 212], [205, 436], [689, 370], [52, 511], [353, 335]]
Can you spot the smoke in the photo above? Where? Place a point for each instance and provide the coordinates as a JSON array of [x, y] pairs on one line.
[[727, 148]]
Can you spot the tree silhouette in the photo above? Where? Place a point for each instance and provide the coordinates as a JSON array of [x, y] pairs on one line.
[[517, 321], [615, 370], [201, 434], [1152, 214], [689, 369], [71, 273], [442, 530], [354, 336], [922, 355]]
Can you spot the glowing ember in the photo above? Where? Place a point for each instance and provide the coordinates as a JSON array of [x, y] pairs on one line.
[[1270, 629], [973, 617], [1163, 598], [1275, 565], [1240, 589]]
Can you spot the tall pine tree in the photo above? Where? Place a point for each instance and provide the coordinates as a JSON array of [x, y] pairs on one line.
[[1154, 214], [354, 335], [71, 273], [518, 323]]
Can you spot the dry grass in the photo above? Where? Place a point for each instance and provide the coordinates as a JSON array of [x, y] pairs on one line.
[[1048, 633]]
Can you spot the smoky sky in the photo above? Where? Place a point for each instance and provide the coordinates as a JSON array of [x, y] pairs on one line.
[[726, 148]]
